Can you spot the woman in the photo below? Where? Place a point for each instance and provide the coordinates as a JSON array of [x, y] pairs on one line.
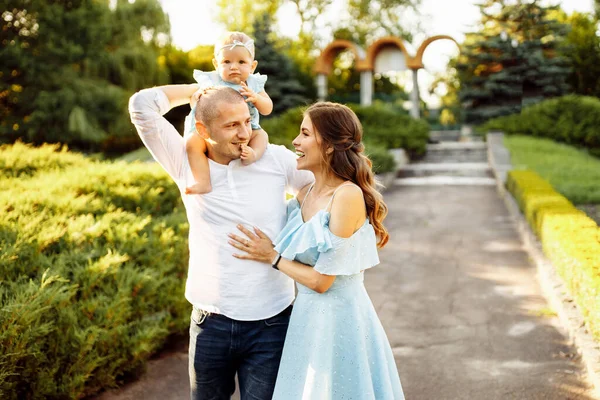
[[335, 346]]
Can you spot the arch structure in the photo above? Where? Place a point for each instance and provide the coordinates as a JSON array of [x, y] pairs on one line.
[[365, 63]]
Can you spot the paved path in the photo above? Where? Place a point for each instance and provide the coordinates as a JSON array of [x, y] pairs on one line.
[[460, 304]]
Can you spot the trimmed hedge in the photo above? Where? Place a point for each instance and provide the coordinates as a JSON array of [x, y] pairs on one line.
[[570, 119], [382, 126], [572, 172], [93, 259], [570, 240]]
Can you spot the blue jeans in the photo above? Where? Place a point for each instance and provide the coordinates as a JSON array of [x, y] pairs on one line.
[[220, 347]]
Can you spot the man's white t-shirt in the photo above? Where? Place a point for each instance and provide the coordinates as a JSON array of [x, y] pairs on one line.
[[252, 195]]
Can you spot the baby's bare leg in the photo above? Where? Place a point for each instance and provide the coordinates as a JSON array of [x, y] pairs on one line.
[[196, 152], [256, 147]]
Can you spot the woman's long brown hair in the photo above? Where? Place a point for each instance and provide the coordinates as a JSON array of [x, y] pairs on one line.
[[341, 130]]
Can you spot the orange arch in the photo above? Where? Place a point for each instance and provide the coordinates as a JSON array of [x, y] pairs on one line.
[[380, 44], [418, 59], [325, 60]]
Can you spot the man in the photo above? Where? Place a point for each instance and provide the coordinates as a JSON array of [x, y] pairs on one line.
[[241, 308]]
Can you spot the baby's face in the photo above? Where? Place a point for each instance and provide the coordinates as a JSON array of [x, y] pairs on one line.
[[234, 65]]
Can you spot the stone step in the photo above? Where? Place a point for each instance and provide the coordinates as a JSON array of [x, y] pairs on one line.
[[437, 136], [466, 166], [449, 163], [456, 146], [461, 152], [447, 169], [454, 158], [440, 180]]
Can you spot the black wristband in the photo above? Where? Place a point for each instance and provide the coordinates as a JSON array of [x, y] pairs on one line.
[[276, 263]]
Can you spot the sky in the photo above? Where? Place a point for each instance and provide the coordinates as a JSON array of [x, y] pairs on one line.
[[193, 23]]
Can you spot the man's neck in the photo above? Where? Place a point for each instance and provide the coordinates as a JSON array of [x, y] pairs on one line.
[[216, 157]]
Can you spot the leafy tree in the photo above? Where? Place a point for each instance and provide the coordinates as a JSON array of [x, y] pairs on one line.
[[305, 49], [582, 50], [512, 61], [67, 68], [450, 112], [377, 19], [241, 15]]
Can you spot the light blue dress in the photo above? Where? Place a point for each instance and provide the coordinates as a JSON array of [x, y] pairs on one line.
[[335, 346], [256, 82]]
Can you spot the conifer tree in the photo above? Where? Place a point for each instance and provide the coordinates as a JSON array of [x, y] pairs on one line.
[[513, 61], [282, 85]]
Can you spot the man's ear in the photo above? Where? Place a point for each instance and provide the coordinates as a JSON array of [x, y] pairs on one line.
[[202, 130], [215, 63], [254, 64]]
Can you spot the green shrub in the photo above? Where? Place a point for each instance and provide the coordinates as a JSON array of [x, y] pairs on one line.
[[93, 259], [283, 128], [574, 174], [570, 239], [570, 119], [386, 127], [382, 125], [382, 160]]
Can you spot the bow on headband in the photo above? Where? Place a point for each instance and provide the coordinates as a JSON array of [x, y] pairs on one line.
[[247, 45]]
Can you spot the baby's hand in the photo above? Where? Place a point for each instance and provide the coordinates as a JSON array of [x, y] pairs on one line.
[[248, 155], [251, 97], [195, 97]]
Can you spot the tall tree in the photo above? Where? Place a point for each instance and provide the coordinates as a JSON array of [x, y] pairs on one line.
[[447, 86], [240, 15], [306, 45], [282, 85], [582, 50], [512, 61], [378, 18], [66, 69]]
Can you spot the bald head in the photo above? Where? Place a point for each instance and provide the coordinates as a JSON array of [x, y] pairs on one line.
[[206, 108]]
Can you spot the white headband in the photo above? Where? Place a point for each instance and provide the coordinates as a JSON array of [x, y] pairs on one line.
[[248, 45]]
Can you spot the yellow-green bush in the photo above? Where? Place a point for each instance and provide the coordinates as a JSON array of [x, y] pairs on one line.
[[93, 259], [570, 240], [571, 171]]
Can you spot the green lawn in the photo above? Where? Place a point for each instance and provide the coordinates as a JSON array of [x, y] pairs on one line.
[[572, 172]]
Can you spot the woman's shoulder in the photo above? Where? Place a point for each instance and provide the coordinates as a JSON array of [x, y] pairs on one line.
[[348, 194], [348, 210]]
